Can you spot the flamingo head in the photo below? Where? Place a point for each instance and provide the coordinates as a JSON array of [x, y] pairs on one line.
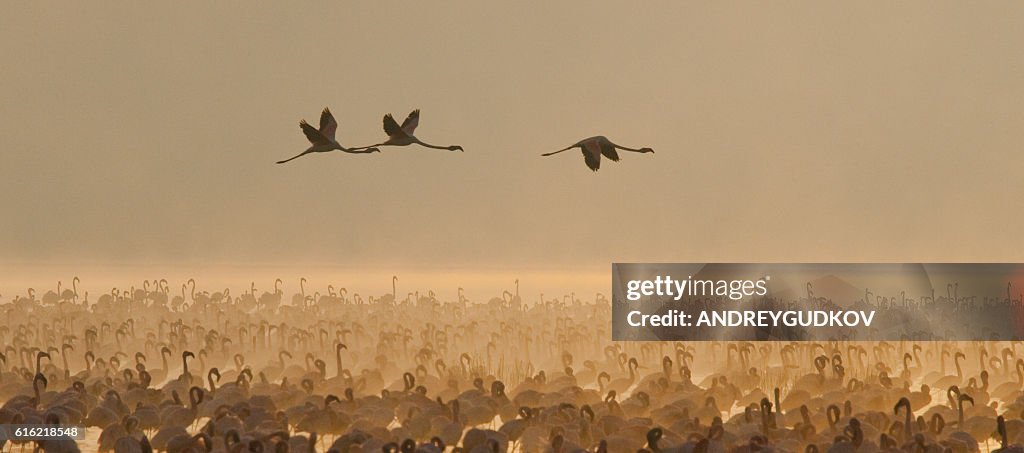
[[455, 148], [646, 150]]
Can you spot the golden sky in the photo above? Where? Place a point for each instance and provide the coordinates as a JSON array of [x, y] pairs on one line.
[[784, 131]]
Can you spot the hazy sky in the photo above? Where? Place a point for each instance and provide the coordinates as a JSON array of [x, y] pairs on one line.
[[784, 131]]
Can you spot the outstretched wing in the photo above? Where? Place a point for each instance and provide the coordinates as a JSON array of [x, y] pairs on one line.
[[411, 121], [592, 154], [392, 128], [608, 150], [328, 125], [314, 136]]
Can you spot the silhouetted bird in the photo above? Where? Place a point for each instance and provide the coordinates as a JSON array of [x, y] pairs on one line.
[[594, 147], [323, 139], [403, 135]]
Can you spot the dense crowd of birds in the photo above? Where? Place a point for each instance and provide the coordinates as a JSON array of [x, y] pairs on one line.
[[152, 368]]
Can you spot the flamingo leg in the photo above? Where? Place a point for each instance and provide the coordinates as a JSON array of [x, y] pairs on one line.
[[367, 147]]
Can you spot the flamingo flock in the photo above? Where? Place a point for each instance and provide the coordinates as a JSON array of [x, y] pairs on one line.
[[322, 140], [168, 367]]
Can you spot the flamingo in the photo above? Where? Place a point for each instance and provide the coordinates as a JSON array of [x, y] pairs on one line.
[[594, 147], [323, 139], [403, 135]]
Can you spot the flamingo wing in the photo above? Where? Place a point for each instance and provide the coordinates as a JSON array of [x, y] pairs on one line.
[[314, 136], [328, 125], [592, 154], [411, 121], [392, 128], [608, 150]]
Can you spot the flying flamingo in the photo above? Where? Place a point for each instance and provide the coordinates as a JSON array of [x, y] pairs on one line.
[[594, 147], [403, 135], [323, 139]]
